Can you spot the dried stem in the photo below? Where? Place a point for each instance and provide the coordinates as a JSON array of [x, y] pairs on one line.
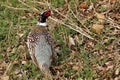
[[77, 30]]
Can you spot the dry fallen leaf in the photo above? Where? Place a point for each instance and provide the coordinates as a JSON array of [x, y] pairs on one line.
[[20, 34], [9, 49], [5, 77], [97, 28], [13, 50], [75, 67], [24, 62], [117, 71], [21, 48], [71, 41], [110, 47], [117, 78], [110, 67], [57, 49], [80, 79], [101, 17], [83, 5], [113, 1], [100, 68], [3, 64], [72, 54], [90, 7], [90, 44]]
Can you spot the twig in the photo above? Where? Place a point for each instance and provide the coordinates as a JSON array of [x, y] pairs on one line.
[[32, 8], [113, 23], [78, 19], [41, 3], [15, 8], [76, 27], [77, 30], [8, 68]]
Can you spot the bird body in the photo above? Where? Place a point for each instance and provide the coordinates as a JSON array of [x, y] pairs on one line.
[[40, 45]]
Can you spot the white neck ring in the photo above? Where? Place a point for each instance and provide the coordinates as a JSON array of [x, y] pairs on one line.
[[42, 24]]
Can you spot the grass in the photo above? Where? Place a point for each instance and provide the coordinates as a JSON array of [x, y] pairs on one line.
[[80, 61]]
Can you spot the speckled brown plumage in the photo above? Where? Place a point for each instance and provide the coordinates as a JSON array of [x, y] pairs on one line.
[[40, 37]]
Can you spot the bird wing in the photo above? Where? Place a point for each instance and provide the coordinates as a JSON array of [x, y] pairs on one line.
[[40, 46]]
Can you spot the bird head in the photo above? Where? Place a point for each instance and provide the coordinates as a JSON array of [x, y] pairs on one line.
[[44, 15]]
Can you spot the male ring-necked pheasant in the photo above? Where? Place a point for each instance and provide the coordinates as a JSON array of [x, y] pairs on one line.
[[40, 44]]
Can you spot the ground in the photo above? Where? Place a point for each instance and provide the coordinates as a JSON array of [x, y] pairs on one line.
[[86, 35]]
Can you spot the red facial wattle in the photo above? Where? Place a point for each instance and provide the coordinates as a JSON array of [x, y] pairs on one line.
[[48, 13]]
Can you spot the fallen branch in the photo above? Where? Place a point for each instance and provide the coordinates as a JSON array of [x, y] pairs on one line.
[[77, 30]]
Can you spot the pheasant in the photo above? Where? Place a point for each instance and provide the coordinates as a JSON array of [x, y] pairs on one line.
[[40, 44]]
